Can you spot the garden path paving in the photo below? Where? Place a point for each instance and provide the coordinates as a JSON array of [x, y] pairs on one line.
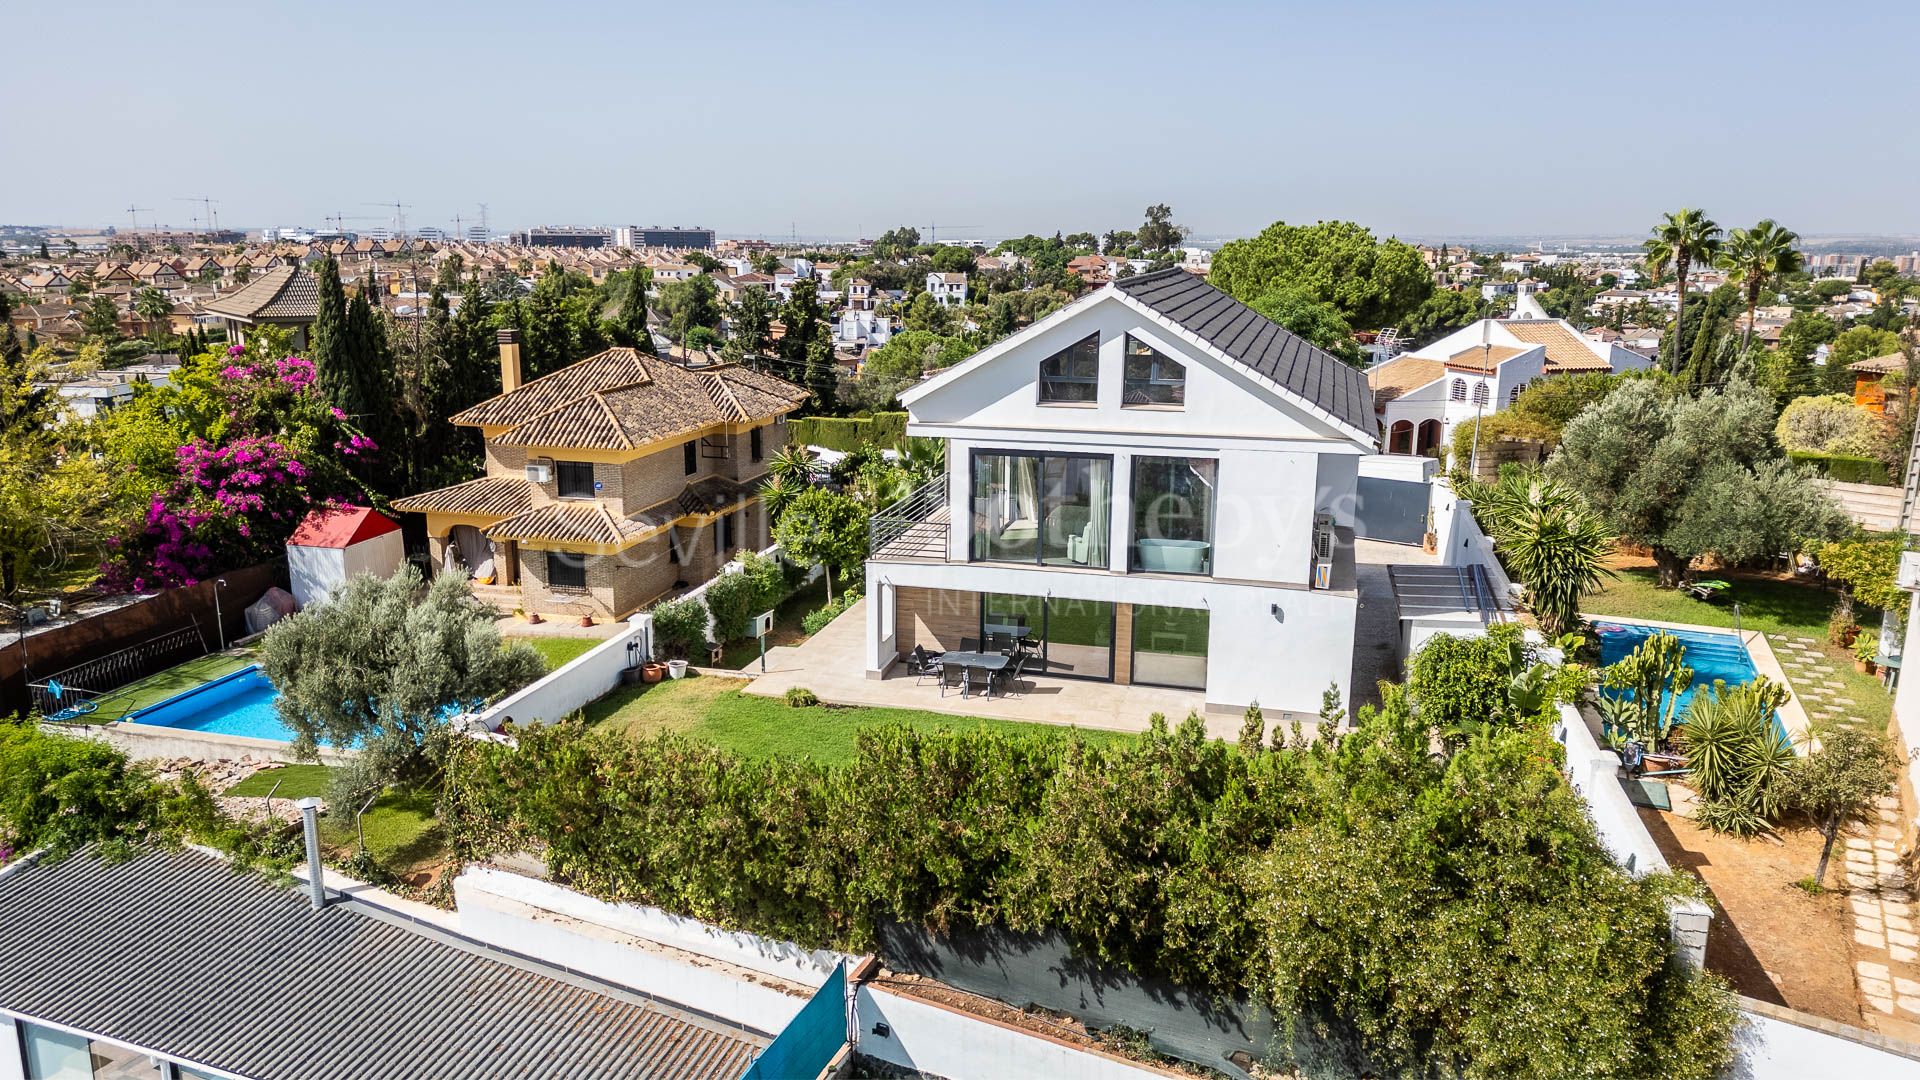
[[1886, 942], [1815, 681]]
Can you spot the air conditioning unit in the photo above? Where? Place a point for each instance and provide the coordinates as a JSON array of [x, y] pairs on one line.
[[539, 472], [1322, 577]]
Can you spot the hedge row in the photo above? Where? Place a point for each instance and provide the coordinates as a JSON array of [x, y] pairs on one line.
[[1451, 917], [845, 433], [1845, 468]]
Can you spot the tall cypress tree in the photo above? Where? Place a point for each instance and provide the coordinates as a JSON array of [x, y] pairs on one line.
[[823, 379], [327, 344], [632, 325], [11, 354]]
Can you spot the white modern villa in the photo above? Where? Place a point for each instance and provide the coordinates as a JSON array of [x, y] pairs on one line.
[[1154, 485], [1422, 395]]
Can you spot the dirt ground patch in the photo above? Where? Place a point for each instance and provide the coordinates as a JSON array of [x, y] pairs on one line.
[[1771, 940]]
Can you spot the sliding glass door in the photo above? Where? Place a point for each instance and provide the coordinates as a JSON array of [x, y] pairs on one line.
[[1170, 646], [1048, 509], [1071, 639]]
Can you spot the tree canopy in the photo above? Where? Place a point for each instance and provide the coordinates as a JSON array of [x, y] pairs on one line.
[[1692, 475], [1368, 282]]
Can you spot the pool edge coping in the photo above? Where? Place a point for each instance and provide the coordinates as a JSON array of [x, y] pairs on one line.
[[1793, 717], [281, 749]]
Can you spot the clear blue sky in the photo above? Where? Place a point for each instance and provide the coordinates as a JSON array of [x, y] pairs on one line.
[[1414, 118]]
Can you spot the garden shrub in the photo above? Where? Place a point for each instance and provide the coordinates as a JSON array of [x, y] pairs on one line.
[[800, 697], [815, 621], [1830, 424], [1845, 468], [1442, 915], [732, 599], [847, 433], [679, 626]]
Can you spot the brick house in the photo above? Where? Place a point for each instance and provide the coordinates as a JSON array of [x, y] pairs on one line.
[[610, 482]]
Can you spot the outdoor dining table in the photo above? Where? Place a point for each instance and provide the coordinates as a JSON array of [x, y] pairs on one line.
[[969, 662]]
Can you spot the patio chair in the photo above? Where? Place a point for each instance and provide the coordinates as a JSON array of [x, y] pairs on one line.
[[921, 663], [1009, 676], [1710, 590], [952, 678], [969, 644]]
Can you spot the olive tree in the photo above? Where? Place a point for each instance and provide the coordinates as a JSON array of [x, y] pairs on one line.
[[377, 666], [1691, 475], [1841, 781]]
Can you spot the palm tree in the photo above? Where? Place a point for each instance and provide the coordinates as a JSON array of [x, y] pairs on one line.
[[152, 305], [1683, 238], [1753, 257], [1549, 539]]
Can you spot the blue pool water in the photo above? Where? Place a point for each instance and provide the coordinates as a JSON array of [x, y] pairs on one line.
[[1713, 657], [237, 704]]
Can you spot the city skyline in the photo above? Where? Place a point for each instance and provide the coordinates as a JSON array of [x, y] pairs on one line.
[[1002, 120]]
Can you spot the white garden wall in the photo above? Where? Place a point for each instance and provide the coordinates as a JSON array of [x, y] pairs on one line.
[[571, 686], [940, 1041]]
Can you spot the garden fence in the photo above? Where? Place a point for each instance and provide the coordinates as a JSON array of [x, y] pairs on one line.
[[94, 678]]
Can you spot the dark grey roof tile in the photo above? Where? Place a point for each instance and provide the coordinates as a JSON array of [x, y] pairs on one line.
[[1250, 338]]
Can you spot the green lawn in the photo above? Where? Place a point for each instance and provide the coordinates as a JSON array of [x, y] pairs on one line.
[[557, 651], [1772, 606], [157, 688], [745, 655], [402, 833], [295, 782], [714, 710]]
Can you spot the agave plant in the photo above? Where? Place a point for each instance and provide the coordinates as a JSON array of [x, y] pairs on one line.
[[1740, 764], [793, 464]]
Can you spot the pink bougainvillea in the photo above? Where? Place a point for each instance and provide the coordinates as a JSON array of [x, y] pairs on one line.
[[284, 452]]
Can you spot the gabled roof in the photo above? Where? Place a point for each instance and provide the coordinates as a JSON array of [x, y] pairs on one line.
[[1484, 358], [1881, 364], [1565, 349], [182, 955], [622, 399], [284, 292], [1250, 338], [1401, 375], [342, 526]]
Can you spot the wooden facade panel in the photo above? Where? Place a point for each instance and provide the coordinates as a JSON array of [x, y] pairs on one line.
[[935, 619]]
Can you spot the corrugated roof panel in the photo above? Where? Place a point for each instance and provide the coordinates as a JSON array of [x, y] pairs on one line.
[[179, 953]]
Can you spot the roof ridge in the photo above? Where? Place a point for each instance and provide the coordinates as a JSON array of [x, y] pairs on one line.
[[718, 389], [600, 398]]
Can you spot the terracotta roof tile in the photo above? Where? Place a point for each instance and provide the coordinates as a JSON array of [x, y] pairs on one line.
[[284, 292], [1483, 357], [1882, 364], [621, 400], [1565, 350], [1402, 375], [504, 496]]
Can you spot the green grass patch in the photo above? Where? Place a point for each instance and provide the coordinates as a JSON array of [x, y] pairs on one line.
[[745, 655], [154, 689], [295, 782], [714, 710], [558, 652], [402, 833]]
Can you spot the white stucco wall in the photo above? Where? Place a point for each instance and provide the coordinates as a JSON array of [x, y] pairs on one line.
[[941, 1042], [1775, 1044], [683, 960], [13, 1063], [571, 686], [1284, 662], [1906, 696]]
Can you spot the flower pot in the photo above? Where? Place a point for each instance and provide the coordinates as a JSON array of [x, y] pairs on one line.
[[1864, 667], [676, 669], [1430, 542], [533, 617], [652, 671], [586, 620]]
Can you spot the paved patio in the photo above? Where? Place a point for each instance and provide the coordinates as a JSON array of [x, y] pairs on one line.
[[832, 664], [1376, 627]]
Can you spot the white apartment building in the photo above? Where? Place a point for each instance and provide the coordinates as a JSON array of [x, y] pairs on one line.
[[1154, 484]]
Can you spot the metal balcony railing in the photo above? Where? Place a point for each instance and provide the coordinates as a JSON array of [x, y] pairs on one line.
[[915, 528]]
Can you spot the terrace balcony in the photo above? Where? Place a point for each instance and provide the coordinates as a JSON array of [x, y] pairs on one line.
[[913, 529]]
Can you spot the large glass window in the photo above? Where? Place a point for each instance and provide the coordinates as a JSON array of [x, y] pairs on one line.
[[1173, 506], [1069, 638], [1151, 377], [1072, 375], [1170, 646], [1042, 508], [55, 1055], [575, 479]]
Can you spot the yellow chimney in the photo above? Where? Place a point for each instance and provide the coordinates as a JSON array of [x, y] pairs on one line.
[[509, 361]]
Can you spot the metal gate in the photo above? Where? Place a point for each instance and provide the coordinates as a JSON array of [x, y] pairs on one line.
[[1390, 510]]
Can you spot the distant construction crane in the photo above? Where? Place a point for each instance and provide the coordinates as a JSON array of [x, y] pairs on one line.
[[133, 215], [933, 231], [211, 220], [399, 216]]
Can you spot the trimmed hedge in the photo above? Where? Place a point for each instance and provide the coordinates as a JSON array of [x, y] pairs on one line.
[[1844, 467], [845, 433]]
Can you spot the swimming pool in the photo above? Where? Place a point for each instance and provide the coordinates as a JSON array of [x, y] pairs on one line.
[[1713, 657], [240, 703]]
